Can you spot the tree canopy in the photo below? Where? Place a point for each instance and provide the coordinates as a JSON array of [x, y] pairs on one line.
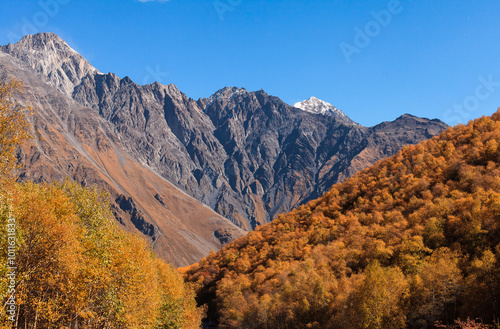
[[410, 241]]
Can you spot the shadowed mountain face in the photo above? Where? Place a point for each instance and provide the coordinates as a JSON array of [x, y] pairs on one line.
[[247, 155]]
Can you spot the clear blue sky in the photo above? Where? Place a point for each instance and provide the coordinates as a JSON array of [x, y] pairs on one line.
[[437, 59]]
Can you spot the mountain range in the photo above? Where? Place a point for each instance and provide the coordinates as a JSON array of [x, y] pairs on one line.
[[190, 175]]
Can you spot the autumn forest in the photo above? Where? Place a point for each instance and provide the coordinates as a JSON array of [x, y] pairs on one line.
[[411, 242]]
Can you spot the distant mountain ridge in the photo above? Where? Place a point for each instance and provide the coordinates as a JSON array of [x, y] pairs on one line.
[[247, 155]]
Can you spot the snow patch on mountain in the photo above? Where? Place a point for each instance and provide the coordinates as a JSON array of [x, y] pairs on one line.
[[317, 106]]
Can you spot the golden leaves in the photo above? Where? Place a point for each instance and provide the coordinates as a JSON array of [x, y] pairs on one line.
[[428, 217], [76, 267], [14, 126]]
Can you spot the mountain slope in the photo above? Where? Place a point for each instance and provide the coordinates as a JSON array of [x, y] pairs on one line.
[[73, 141], [247, 155], [409, 241]]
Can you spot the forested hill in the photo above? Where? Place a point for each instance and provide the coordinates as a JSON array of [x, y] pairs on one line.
[[412, 240]]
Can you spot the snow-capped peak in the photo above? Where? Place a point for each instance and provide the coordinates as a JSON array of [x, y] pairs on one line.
[[317, 106]]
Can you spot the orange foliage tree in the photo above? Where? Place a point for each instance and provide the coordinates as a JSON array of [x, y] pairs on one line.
[[412, 240]]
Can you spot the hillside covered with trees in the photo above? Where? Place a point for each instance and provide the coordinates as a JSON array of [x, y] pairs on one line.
[[65, 263], [410, 242]]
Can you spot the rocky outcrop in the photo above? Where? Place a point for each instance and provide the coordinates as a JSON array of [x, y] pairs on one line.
[[127, 205]]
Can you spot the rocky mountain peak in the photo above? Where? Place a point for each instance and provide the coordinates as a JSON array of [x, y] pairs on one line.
[[226, 94], [317, 106], [173, 89], [44, 40], [406, 120], [51, 57]]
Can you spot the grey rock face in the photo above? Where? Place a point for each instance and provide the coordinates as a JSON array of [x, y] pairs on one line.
[[52, 58], [247, 155], [128, 205]]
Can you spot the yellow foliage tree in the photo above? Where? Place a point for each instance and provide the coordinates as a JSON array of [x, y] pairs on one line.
[[65, 263], [14, 126]]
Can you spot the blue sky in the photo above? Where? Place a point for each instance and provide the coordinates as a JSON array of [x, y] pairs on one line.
[[375, 60]]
